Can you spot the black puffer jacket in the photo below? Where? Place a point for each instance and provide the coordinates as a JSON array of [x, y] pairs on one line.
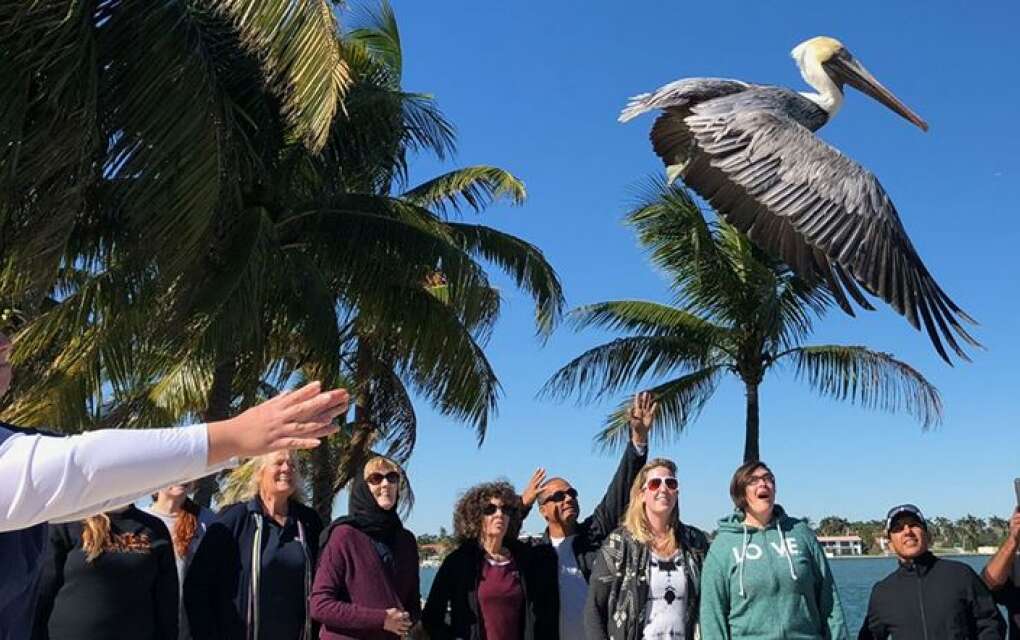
[[932, 599]]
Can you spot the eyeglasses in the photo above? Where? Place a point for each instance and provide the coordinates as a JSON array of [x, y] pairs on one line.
[[376, 478], [653, 484], [560, 496], [491, 509], [767, 478]]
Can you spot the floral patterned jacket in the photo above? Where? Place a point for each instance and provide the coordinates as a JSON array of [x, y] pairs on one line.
[[618, 590]]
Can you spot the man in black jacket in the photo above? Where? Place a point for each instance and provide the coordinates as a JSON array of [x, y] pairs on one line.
[[926, 597], [565, 555], [1002, 575]]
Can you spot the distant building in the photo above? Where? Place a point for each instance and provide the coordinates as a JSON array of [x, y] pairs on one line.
[[836, 546]]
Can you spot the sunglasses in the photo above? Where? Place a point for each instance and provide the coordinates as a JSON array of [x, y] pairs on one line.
[[561, 495], [376, 478], [491, 509], [653, 484]]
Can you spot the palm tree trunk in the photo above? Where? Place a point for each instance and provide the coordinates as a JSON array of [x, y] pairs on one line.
[[221, 394], [324, 465], [751, 430]]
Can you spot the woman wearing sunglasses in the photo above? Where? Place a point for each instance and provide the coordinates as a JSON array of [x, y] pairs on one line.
[[485, 589], [646, 576], [766, 576], [367, 586]]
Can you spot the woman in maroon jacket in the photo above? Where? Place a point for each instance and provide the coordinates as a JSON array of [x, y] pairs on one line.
[[366, 586]]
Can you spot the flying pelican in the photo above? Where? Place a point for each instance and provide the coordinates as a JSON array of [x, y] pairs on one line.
[[750, 151]]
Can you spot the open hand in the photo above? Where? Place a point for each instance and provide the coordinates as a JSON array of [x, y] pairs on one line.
[[642, 415], [533, 487], [292, 420]]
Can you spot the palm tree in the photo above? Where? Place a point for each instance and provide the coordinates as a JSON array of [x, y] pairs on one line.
[[329, 267], [142, 119], [737, 312]]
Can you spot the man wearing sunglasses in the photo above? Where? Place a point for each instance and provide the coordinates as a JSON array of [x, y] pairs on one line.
[[566, 553], [928, 597]]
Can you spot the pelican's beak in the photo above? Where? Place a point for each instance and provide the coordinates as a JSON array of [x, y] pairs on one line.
[[846, 69]]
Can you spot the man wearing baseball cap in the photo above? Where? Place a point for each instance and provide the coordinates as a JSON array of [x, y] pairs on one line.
[[927, 598]]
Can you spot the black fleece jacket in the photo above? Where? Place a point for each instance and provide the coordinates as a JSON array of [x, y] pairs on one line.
[[932, 599]]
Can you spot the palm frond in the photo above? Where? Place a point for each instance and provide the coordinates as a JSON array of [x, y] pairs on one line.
[[522, 261], [475, 187], [681, 401], [299, 44], [621, 364], [868, 378], [648, 318]]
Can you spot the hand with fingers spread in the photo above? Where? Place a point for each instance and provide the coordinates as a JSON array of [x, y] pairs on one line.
[[292, 420], [533, 488], [642, 416]]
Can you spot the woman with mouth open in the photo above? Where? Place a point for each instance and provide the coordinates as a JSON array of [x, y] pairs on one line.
[[252, 574], [646, 578], [766, 576]]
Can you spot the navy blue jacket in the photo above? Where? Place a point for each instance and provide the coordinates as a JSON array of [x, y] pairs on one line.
[[217, 588], [21, 553]]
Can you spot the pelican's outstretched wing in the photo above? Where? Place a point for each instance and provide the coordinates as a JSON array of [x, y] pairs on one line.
[[807, 203]]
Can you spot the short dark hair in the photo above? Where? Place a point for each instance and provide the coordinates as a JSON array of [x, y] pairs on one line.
[[741, 478], [467, 514]]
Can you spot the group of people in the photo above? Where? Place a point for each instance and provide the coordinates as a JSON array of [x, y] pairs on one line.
[[266, 567]]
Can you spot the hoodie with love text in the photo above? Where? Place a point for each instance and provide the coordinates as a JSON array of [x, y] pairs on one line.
[[768, 584]]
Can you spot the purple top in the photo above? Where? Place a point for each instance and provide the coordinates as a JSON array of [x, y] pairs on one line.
[[501, 599], [353, 589]]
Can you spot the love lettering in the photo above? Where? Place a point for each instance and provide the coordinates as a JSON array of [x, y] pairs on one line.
[[754, 551]]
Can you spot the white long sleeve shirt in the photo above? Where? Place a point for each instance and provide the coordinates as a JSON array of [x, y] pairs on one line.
[[51, 479]]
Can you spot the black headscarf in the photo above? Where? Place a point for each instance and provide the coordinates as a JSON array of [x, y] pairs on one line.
[[365, 515]]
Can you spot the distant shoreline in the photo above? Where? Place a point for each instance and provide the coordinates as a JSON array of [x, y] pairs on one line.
[[941, 554]]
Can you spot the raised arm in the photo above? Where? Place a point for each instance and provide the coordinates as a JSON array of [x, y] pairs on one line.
[[608, 513]]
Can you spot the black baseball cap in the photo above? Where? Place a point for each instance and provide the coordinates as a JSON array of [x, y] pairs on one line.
[[901, 509]]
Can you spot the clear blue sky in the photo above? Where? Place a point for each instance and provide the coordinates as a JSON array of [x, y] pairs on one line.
[[535, 87]]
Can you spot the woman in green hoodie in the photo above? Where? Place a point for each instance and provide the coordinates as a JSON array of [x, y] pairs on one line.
[[766, 576]]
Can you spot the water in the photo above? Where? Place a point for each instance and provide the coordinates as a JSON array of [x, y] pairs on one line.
[[854, 577]]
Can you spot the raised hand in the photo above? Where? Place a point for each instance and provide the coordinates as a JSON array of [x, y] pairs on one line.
[[533, 487], [292, 420], [1014, 525], [642, 416]]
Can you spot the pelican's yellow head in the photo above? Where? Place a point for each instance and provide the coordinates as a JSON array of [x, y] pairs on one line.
[[819, 49]]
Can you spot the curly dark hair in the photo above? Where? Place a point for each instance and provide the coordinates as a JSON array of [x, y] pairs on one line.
[[467, 514]]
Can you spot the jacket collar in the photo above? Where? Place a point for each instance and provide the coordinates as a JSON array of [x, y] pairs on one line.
[[920, 565]]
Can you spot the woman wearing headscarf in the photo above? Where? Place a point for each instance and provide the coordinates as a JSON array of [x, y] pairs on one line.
[[252, 574], [645, 583], [367, 585]]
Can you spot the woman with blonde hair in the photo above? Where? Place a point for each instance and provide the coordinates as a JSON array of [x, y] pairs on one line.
[[252, 574], [367, 584], [645, 583], [108, 577]]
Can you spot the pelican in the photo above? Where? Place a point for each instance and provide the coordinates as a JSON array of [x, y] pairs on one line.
[[751, 152]]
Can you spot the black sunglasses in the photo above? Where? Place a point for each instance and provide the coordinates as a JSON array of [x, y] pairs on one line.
[[561, 495], [506, 510], [377, 478]]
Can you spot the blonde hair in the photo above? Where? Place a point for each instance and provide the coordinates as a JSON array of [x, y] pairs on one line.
[[635, 520], [243, 482], [382, 464]]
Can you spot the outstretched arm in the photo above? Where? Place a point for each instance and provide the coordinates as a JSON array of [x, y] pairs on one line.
[[45, 478]]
